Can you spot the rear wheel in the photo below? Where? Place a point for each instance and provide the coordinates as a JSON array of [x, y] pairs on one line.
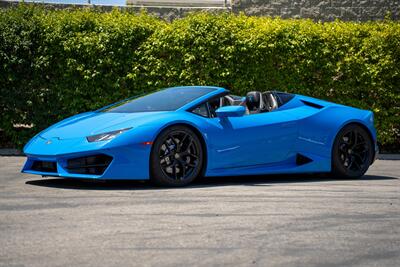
[[176, 157], [352, 152]]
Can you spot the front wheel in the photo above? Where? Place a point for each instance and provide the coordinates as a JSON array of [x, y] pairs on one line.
[[176, 157], [352, 152]]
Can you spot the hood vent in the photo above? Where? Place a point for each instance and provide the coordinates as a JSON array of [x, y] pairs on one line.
[[311, 104]]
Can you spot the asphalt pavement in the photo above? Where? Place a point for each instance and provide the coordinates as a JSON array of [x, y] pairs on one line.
[[289, 220]]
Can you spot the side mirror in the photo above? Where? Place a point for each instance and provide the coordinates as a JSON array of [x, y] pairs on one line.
[[230, 111]]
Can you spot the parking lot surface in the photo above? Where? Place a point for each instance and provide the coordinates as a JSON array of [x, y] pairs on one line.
[[289, 220]]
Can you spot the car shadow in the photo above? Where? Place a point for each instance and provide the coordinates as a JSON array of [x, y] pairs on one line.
[[264, 180]]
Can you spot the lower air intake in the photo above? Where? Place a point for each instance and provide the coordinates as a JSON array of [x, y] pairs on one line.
[[44, 166], [95, 164]]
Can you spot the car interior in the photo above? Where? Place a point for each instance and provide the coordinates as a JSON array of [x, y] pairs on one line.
[[258, 102], [255, 102]]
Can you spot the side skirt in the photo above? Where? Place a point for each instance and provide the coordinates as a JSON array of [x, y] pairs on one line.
[[297, 163]]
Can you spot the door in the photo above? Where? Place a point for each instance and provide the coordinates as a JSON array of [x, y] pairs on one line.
[[256, 139]]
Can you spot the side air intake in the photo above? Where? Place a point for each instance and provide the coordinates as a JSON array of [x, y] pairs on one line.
[[311, 104], [301, 159]]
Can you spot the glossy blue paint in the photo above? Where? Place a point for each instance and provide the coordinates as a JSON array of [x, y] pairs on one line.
[[236, 144]]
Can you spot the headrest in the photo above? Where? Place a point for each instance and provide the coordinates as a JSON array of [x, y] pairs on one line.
[[253, 100]]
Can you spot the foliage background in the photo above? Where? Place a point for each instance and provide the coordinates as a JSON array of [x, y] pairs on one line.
[[56, 63]]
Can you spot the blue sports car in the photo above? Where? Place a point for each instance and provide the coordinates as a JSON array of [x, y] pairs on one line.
[[177, 134]]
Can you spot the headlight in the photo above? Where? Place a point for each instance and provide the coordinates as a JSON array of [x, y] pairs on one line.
[[106, 136]]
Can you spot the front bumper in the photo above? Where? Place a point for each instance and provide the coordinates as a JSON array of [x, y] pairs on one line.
[[127, 162]]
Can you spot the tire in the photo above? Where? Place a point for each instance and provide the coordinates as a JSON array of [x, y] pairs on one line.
[[352, 152], [176, 157]]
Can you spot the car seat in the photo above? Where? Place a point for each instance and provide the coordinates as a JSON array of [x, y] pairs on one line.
[[255, 102], [270, 101]]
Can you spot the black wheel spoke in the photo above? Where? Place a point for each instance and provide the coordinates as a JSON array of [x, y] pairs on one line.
[[166, 153], [357, 165], [350, 165], [174, 171], [188, 154], [358, 156], [181, 143], [194, 164], [187, 147], [351, 138], [171, 137], [183, 168], [355, 138], [193, 155], [361, 150], [359, 144]]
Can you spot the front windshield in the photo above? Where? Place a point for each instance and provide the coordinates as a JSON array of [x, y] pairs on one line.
[[165, 100]]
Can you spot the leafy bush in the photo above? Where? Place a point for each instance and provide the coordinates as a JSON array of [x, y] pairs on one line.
[[58, 63]]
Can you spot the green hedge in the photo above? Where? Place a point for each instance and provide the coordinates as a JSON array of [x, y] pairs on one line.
[[58, 63]]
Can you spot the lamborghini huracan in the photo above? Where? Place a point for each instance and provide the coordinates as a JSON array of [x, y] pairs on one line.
[[177, 134]]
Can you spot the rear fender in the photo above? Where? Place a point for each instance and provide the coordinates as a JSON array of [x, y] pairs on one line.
[[317, 133]]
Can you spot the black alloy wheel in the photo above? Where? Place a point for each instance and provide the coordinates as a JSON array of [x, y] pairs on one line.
[[352, 152], [177, 157]]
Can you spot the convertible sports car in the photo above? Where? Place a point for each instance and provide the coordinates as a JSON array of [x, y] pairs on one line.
[[177, 134]]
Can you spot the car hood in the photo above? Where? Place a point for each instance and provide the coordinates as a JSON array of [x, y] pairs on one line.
[[92, 123]]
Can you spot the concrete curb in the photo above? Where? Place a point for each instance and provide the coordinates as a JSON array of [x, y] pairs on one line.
[[389, 156], [16, 152]]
